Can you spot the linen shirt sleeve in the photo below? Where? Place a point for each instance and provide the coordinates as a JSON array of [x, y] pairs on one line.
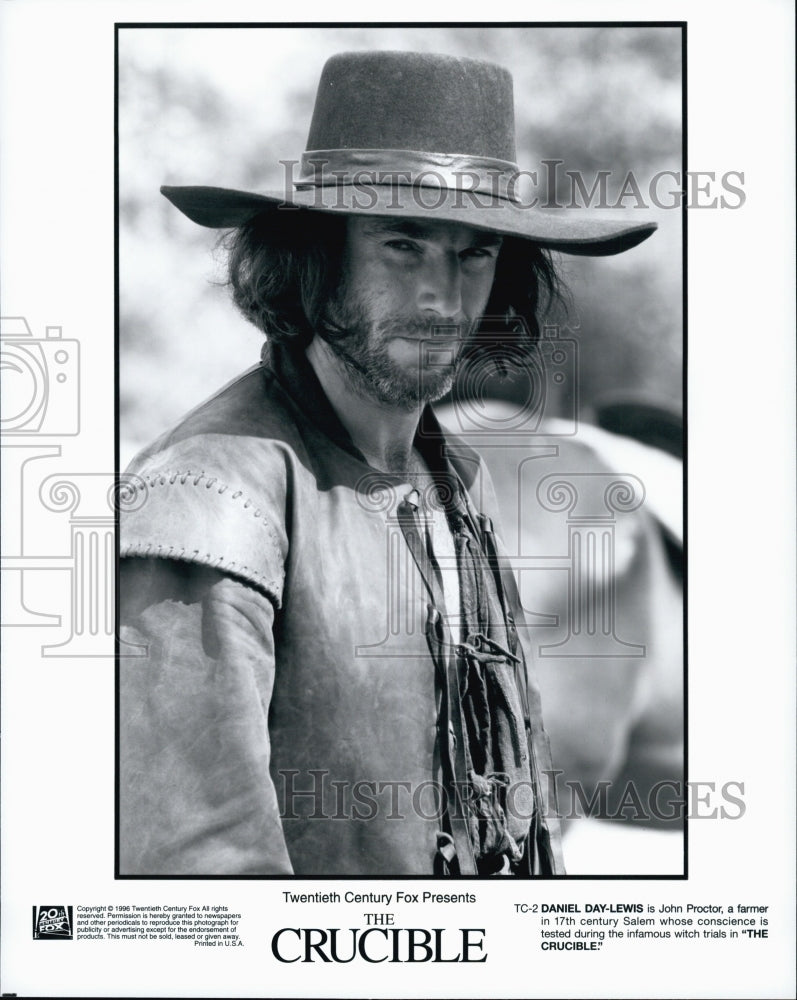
[[195, 792]]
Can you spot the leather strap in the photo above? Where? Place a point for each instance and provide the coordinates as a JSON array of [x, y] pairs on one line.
[[451, 728], [498, 572], [545, 850], [452, 743], [409, 168]]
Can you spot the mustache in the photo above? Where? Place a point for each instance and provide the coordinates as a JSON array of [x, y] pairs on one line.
[[346, 318], [423, 328]]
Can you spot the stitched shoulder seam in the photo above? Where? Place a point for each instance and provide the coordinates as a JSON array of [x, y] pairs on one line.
[[193, 479], [151, 550]]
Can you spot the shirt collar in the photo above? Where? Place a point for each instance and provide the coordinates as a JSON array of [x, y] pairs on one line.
[[297, 377]]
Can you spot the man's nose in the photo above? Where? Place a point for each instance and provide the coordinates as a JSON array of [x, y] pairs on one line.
[[441, 288]]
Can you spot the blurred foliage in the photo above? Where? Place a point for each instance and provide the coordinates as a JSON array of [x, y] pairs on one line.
[[222, 106]]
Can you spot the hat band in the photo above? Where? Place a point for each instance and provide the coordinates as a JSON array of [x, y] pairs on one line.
[[408, 167]]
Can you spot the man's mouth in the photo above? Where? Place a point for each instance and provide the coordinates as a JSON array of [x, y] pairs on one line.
[[424, 331], [430, 337], [430, 340]]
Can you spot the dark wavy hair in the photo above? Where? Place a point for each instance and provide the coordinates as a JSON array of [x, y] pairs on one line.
[[285, 266]]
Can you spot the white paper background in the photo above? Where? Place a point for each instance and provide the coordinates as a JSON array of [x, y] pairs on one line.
[[56, 252]]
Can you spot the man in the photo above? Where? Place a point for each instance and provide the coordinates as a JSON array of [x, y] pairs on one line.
[[338, 679]]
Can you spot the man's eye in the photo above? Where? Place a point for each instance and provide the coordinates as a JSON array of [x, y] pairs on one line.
[[476, 253], [404, 245]]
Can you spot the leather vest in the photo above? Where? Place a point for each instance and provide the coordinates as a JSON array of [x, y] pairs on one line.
[[262, 486]]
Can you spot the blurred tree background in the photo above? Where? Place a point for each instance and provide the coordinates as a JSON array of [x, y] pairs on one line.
[[222, 106]]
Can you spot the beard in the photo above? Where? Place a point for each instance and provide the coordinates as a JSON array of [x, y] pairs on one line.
[[362, 345]]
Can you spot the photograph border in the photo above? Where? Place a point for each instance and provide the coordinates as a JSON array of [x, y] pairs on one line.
[[474, 25]]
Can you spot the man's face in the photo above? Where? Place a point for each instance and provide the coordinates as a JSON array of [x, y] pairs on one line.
[[409, 293]]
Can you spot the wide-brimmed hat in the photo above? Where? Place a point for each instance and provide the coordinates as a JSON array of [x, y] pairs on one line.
[[415, 135]]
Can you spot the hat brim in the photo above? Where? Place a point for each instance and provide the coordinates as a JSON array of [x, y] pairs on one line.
[[565, 230]]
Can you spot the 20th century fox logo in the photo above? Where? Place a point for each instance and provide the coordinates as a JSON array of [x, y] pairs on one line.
[[52, 923]]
